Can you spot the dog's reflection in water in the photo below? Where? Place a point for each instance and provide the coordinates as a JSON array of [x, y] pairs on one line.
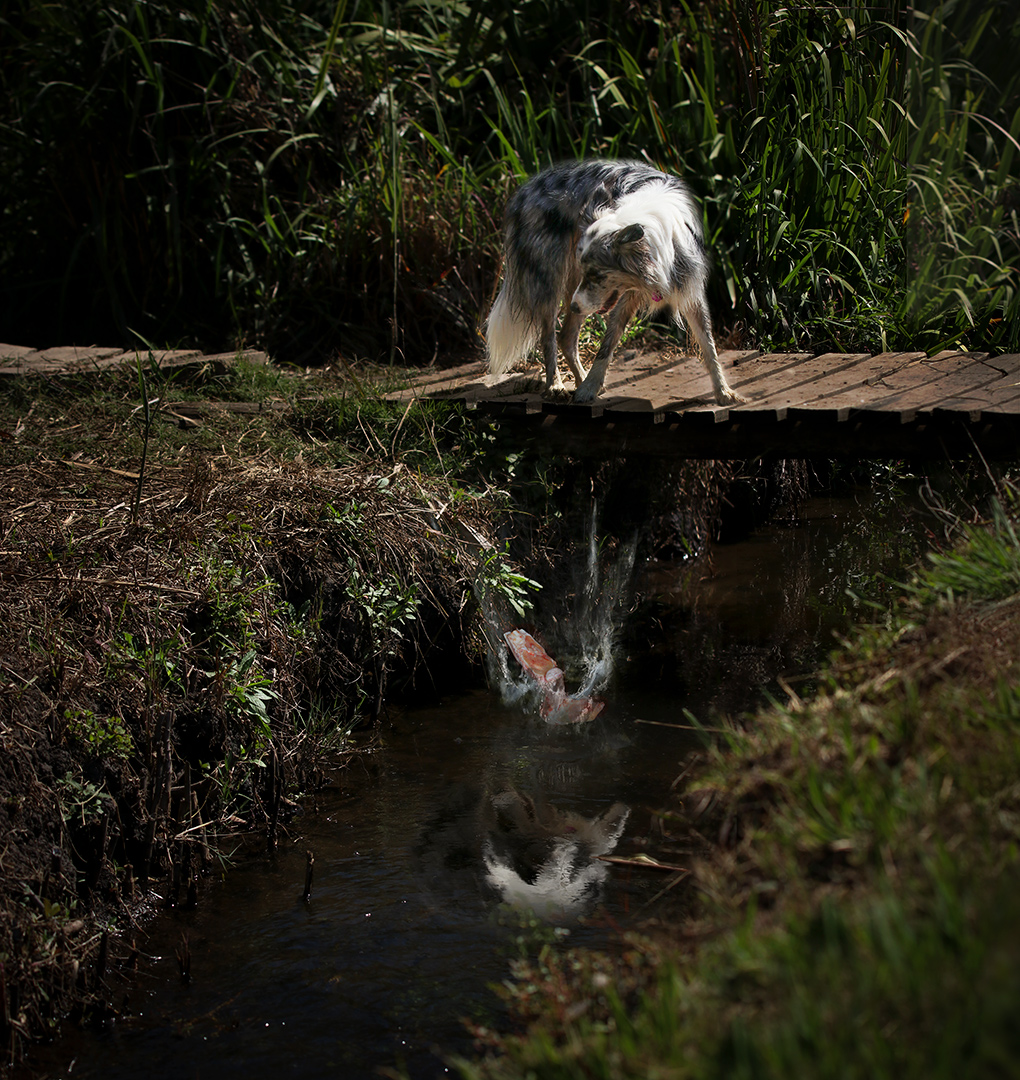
[[538, 857]]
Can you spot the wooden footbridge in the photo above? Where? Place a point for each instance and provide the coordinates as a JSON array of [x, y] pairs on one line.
[[901, 404], [891, 405]]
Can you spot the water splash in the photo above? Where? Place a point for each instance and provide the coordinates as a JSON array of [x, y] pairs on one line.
[[583, 640], [591, 634]]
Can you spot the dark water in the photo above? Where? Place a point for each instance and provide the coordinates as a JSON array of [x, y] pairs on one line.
[[468, 802]]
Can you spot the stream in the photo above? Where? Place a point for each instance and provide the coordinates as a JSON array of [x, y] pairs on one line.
[[473, 832]]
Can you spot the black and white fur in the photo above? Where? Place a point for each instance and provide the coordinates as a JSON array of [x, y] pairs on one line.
[[616, 237]]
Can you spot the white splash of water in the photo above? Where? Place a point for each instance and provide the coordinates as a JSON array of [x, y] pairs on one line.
[[584, 642], [592, 631]]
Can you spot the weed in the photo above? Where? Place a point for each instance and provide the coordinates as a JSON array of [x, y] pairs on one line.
[[495, 578], [248, 693], [156, 662], [387, 606], [81, 800], [986, 567], [104, 736]]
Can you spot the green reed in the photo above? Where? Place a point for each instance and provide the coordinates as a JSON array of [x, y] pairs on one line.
[[332, 174]]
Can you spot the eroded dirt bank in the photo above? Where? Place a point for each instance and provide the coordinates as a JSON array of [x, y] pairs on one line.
[[194, 615]]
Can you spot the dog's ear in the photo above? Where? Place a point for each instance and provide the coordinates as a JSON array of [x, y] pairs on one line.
[[599, 202], [631, 235]]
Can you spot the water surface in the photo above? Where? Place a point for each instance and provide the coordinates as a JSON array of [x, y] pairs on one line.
[[469, 803]]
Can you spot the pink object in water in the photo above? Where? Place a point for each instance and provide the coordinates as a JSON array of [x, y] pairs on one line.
[[558, 707]]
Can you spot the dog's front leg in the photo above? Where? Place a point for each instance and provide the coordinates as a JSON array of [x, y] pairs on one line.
[[569, 334], [616, 323], [700, 324]]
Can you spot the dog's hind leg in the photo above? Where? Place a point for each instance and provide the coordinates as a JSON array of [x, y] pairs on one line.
[[695, 312], [554, 385], [616, 323]]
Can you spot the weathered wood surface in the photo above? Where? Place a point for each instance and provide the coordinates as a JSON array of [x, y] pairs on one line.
[[902, 404], [84, 359]]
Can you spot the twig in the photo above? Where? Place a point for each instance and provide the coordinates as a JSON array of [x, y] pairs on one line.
[[119, 583], [642, 862]]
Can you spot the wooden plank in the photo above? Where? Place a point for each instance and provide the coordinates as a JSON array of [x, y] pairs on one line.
[[981, 403], [75, 354], [918, 387], [767, 368], [445, 378], [948, 354], [687, 390], [995, 397], [56, 360], [13, 352], [663, 390], [629, 368], [83, 360], [624, 372], [856, 387], [163, 358], [1006, 400], [809, 379]]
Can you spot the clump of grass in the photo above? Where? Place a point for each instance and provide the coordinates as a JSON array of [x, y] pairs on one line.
[[987, 567]]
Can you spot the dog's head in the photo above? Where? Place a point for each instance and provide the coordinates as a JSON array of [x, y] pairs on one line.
[[612, 261]]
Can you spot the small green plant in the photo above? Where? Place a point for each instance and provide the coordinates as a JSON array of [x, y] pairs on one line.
[[233, 614], [387, 605], [80, 800], [155, 660], [496, 578], [348, 517], [248, 695], [104, 735]]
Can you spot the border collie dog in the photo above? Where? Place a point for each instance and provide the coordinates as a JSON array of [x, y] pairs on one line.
[[616, 237]]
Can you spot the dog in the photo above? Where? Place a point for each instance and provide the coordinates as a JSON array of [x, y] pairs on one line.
[[614, 237]]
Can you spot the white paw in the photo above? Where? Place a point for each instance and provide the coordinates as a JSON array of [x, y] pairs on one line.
[[730, 397], [556, 392], [586, 394]]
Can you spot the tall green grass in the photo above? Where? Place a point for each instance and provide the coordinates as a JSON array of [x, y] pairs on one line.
[[331, 173]]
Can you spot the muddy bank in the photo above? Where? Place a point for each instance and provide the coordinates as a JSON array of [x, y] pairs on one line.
[[181, 678]]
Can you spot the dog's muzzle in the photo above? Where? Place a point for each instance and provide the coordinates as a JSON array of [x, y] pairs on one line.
[[583, 309]]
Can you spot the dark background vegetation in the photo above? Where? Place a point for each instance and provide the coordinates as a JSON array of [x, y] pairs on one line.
[[314, 175]]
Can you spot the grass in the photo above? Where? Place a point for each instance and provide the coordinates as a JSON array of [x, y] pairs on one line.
[[331, 176], [853, 907]]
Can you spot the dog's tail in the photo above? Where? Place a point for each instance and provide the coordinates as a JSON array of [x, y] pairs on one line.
[[510, 332]]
